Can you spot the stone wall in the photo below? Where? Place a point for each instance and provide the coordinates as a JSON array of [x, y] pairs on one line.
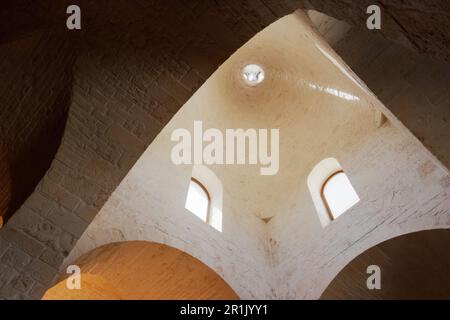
[[413, 86], [306, 256], [134, 70], [402, 187], [149, 205], [136, 62], [418, 25], [402, 190], [405, 263], [35, 94]]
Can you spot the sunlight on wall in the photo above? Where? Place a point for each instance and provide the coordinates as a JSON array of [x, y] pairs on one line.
[[141, 270], [331, 190], [205, 196], [197, 200], [339, 194]]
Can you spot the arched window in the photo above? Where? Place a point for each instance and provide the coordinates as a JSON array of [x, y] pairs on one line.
[[331, 190], [198, 200], [338, 194], [205, 196]]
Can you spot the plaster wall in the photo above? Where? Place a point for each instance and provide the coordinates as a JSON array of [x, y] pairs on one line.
[[149, 205], [401, 191], [149, 202], [133, 68], [413, 86], [89, 166], [402, 187], [407, 199]]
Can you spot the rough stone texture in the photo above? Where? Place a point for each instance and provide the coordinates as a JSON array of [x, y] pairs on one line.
[[122, 76], [405, 82], [152, 196], [35, 87], [419, 25], [413, 86], [132, 73], [402, 187], [396, 198], [405, 263]]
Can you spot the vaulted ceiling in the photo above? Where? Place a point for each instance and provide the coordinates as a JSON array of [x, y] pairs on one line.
[[418, 24], [412, 266], [157, 272], [38, 54]]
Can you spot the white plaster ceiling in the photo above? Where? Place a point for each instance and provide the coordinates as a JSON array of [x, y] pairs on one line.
[[307, 94]]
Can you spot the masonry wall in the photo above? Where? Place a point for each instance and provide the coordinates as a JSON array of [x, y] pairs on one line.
[[409, 269], [401, 190], [132, 73], [108, 135], [402, 187], [417, 25], [413, 86], [149, 205], [35, 95]]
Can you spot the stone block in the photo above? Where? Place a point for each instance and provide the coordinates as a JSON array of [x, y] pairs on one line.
[[38, 203], [61, 196], [22, 282], [22, 241], [52, 258], [42, 272], [67, 221], [16, 258]]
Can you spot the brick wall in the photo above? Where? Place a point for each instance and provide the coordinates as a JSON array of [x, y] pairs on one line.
[[412, 85], [35, 94], [401, 186], [128, 82], [418, 25], [136, 66]]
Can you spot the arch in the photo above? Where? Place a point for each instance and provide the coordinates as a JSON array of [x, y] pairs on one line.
[[214, 188], [317, 180], [145, 271], [105, 132], [322, 192], [412, 266], [325, 271], [34, 113], [78, 198], [338, 194], [176, 236], [198, 200]]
